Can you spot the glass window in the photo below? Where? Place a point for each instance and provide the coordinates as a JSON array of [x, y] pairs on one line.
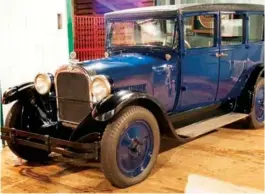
[[232, 29], [149, 32], [256, 27], [199, 31]]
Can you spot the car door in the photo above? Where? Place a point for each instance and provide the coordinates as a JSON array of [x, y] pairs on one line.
[[233, 53], [199, 62], [255, 41]]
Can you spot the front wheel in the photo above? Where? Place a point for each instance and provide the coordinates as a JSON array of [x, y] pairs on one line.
[[14, 120], [129, 147], [256, 117]]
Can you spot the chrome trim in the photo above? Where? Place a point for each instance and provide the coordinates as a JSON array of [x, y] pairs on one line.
[[73, 125], [104, 79], [71, 68], [49, 82]]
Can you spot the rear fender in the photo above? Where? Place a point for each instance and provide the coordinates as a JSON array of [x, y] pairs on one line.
[[244, 103]]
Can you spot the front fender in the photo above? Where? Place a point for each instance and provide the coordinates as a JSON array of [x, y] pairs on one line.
[[112, 105], [17, 92], [107, 109]]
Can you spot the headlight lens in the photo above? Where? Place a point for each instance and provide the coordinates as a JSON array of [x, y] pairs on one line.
[[43, 83], [100, 88]]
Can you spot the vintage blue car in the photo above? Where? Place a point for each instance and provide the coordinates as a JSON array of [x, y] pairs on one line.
[[179, 71]]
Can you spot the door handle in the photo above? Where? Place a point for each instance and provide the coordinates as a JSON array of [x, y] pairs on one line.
[[218, 55], [224, 55]]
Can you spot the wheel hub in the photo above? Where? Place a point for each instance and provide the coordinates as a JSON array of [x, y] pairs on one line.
[[135, 148]]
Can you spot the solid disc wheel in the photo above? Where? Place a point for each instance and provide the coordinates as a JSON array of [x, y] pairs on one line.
[[13, 120], [129, 147], [256, 117]]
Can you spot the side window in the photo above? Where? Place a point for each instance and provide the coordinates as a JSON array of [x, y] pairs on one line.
[[199, 31], [232, 29], [256, 28]]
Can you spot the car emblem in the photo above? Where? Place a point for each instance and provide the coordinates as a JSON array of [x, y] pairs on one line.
[[73, 55], [70, 68]]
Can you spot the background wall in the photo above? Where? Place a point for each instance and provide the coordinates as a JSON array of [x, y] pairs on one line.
[[30, 41]]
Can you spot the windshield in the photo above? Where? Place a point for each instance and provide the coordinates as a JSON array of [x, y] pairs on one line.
[[151, 32]]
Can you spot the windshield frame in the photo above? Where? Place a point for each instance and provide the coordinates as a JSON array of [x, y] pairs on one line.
[[176, 33]]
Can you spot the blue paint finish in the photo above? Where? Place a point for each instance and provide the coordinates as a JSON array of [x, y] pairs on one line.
[[192, 78], [259, 105], [239, 63], [199, 77], [199, 70], [232, 68], [135, 148], [136, 69], [121, 66]]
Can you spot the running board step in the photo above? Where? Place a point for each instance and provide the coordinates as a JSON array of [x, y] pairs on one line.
[[205, 126]]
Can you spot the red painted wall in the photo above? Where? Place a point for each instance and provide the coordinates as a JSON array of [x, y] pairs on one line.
[[89, 24]]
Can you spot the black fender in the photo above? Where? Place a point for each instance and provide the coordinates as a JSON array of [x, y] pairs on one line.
[[244, 102], [17, 92], [27, 95], [108, 108]]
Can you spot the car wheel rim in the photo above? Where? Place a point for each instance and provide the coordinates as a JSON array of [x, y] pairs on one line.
[[135, 148], [259, 105]]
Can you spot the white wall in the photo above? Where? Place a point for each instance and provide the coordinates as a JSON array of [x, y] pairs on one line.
[[30, 41]]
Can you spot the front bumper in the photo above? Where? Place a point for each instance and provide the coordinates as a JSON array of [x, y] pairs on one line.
[[87, 151]]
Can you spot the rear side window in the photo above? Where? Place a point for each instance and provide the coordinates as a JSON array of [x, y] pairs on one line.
[[256, 28], [232, 29]]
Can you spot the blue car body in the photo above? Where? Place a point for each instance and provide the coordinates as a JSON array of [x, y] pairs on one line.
[[178, 83], [197, 76], [204, 71]]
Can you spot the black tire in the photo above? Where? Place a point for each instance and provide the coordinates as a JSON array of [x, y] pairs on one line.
[[110, 142], [253, 122], [24, 152]]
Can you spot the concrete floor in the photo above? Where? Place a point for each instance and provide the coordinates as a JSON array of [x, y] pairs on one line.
[[220, 160]]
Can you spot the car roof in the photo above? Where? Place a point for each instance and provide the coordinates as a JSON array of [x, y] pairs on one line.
[[172, 10]]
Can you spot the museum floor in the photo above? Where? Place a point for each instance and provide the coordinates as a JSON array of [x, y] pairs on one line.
[[227, 160]]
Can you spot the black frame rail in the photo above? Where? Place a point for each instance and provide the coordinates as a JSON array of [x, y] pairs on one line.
[[51, 144]]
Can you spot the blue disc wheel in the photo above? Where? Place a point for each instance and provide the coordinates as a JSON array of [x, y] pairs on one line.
[[129, 146], [135, 148], [259, 104], [256, 117]]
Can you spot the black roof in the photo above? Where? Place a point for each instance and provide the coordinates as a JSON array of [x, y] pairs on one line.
[[173, 10]]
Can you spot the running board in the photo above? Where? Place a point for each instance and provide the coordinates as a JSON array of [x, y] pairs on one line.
[[205, 126]]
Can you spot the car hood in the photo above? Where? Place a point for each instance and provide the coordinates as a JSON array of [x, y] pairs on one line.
[[123, 65]]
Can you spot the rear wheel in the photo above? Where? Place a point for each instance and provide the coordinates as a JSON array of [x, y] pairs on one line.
[[14, 119], [256, 117], [129, 147]]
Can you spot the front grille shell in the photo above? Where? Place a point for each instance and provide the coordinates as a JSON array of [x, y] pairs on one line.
[[73, 94]]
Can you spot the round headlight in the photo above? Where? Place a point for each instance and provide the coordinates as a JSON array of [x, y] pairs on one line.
[[43, 83], [100, 88]]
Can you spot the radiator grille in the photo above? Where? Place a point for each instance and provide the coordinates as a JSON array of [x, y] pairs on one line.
[[73, 96]]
